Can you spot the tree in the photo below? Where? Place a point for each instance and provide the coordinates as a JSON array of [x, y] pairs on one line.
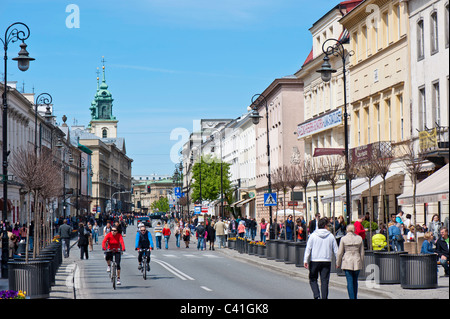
[[332, 167], [209, 169], [413, 163], [303, 181], [161, 205], [316, 173]]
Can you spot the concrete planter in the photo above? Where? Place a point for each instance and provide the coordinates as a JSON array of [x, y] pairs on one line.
[[251, 249], [272, 247], [418, 271], [32, 277], [300, 254], [388, 267], [231, 244], [369, 265], [291, 252], [261, 251], [281, 250]]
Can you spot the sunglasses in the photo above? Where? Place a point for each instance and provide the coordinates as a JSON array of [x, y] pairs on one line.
[[114, 230]]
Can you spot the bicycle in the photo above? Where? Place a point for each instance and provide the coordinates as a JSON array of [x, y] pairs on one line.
[[145, 262], [113, 272]]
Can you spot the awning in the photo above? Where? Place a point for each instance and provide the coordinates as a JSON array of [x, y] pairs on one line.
[[340, 192], [432, 189], [245, 202], [237, 202], [356, 193], [328, 151]]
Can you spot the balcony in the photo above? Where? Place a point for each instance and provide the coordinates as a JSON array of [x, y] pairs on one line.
[[434, 146]]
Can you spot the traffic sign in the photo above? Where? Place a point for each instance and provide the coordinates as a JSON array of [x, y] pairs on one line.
[[177, 191], [270, 199]]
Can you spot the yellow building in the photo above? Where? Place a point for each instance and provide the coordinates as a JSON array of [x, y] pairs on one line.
[[379, 87]]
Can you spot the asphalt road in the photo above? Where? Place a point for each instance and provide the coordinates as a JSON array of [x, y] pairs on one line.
[[181, 273]]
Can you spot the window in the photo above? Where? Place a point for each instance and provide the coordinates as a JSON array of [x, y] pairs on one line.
[[436, 111], [422, 110], [358, 124], [389, 114], [434, 33], [377, 109], [420, 40], [400, 101], [104, 133], [386, 26]]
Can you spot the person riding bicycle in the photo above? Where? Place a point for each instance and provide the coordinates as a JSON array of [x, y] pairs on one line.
[[113, 241], [143, 241]]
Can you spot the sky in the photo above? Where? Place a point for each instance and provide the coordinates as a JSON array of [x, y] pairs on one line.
[[168, 63]]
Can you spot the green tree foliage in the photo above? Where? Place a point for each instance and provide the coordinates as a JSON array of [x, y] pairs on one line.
[[161, 205], [210, 178]]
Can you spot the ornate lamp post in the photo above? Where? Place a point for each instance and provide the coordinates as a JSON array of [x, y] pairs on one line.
[[12, 34], [258, 99], [43, 98], [326, 71]]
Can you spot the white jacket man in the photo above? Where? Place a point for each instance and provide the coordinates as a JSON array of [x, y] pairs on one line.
[[320, 247]]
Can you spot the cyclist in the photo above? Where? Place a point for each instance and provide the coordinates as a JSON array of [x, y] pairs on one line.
[[143, 241], [113, 240]]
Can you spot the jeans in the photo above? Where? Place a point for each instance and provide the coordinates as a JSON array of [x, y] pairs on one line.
[[158, 242], [263, 235], [221, 240], [65, 246], [200, 243], [253, 233], [352, 283], [321, 268], [177, 237], [166, 239], [84, 251], [95, 236], [289, 235]]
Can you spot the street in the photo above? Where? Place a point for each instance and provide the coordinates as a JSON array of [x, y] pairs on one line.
[[180, 273]]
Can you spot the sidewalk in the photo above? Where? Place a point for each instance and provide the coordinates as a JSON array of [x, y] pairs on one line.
[[394, 291]]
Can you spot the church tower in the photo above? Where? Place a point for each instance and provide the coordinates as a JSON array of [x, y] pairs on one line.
[[103, 124]]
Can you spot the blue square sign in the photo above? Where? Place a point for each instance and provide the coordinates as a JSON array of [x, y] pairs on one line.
[[270, 199]]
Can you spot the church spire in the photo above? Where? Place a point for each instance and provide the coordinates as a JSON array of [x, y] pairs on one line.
[[101, 107]]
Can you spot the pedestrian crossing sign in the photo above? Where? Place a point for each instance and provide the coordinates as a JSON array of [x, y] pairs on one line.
[[270, 199]]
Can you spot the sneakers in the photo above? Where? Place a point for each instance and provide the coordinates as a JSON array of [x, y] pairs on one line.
[[139, 267], [118, 281], [108, 269]]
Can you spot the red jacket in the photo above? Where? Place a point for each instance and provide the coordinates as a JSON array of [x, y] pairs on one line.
[[114, 241], [166, 231], [359, 230]]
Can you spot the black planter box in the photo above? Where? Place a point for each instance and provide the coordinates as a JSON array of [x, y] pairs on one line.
[[418, 271], [300, 254], [281, 250], [369, 266], [388, 264], [31, 277]]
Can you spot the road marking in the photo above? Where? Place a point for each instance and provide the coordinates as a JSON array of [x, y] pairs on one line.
[[206, 288], [173, 270]]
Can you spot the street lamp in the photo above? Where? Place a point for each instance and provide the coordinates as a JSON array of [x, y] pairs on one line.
[[12, 34], [221, 174], [59, 145], [326, 71], [43, 98], [258, 99]]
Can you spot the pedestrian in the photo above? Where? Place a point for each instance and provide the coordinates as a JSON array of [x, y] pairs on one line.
[[158, 234], [350, 258], [340, 228], [186, 235], [395, 237], [64, 233], [289, 226], [313, 223], [263, 230], [219, 227], [83, 240], [177, 234], [211, 236], [427, 245], [95, 230], [241, 229], [166, 233], [91, 241], [233, 227], [253, 228], [435, 227], [359, 229], [442, 249], [200, 234], [107, 228], [318, 253]]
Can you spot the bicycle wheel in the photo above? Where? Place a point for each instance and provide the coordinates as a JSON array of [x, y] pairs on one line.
[[114, 274], [144, 267]]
